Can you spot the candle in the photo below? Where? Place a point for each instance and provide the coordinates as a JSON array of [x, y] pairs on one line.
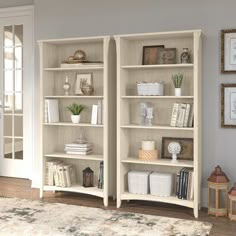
[[148, 145]]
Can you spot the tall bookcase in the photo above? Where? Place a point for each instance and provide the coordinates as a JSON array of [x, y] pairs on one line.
[[130, 133], [55, 135]]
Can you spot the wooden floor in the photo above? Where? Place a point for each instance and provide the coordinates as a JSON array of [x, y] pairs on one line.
[[21, 188]]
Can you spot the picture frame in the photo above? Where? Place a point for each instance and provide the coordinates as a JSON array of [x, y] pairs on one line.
[[228, 51], [228, 105], [80, 79], [150, 54], [186, 152], [166, 56]]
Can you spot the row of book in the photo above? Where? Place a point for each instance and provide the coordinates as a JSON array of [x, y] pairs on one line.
[[184, 184], [79, 148], [97, 113], [182, 115], [60, 174], [51, 111]]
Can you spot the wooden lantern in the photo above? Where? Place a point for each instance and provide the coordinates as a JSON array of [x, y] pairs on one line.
[[87, 177], [218, 184], [232, 203]]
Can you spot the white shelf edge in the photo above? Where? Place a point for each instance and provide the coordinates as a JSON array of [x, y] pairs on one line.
[[160, 162], [85, 67], [158, 97], [157, 66], [156, 127], [77, 189], [72, 124], [148, 197], [92, 157], [77, 97]]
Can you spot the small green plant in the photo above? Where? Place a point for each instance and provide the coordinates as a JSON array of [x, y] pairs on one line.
[[76, 109], [177, 80]]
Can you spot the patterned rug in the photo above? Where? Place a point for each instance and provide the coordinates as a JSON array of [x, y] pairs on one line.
[[19, 217]]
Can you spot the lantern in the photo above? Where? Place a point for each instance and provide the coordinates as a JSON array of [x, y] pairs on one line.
[[232, 205], [218, 184], [87, 177]]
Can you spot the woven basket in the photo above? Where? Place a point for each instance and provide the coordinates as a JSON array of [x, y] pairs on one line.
[[150, 155]]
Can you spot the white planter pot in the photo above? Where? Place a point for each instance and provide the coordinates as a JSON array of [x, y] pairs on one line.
[[75, 119], [178, 92]]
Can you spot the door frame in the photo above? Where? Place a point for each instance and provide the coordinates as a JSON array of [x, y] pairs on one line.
[[26, 11]]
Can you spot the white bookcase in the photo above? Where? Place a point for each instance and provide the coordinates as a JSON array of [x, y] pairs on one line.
[[130, 133], [55, 135]]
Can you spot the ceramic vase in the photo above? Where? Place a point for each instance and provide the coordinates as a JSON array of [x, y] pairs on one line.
[[75, 119], [178, 92]]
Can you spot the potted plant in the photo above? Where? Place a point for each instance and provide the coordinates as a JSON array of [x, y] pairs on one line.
[[177, 81], [75, 109]]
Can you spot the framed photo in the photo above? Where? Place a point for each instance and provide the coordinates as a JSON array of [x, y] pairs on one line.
[[82, 79], [167, 56], [186, 144], [228, 105], [150, 54], [228, 51]]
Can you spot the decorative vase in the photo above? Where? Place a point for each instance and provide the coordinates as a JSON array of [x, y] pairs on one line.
[[87, 90], [75, 119], [178, 92], [185, 56], [66, 86], [174, 148]]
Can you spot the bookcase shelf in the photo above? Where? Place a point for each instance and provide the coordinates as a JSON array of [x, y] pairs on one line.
[[92, 157], [130, 134], [161, 162], [54, 136]]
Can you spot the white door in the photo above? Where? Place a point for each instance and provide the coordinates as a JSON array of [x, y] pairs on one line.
[[16, 86]]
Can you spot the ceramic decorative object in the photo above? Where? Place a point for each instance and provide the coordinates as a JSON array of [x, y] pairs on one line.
[[174, 148], [177, 80], [66, 86], [178, 92], [185, 56], [143, 113], [75, 119], [149, 117], [87, 89], [80, 55], [75, 110]]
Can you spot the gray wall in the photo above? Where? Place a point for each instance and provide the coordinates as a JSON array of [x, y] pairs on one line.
[[15, 3]]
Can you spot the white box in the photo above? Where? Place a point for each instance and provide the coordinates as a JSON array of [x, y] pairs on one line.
[[161, 184], [138, 182]]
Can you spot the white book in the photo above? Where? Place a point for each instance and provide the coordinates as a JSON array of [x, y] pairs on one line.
[[79, 145], [79, 152], [100, 108], [180, 119], [53, 110], [186, 116], [94, 118], [45, 111], [67, 175], [61, 176], [190, 121], [174, 115]]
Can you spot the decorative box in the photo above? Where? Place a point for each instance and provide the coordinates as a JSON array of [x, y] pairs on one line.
[[148, 155], [161, 184], [138, 182], [150, 89]]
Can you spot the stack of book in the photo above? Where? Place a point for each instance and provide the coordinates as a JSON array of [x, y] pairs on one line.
[[184, 184], [182, 115], [101, 176], [79, 148], [59, 174]]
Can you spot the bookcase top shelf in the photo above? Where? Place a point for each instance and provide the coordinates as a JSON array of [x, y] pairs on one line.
[[165, 127], [72, 124], [160, 162], [92, 157], [79, 68], [73, 97], [157, 66], [148, 197], [77, 189]]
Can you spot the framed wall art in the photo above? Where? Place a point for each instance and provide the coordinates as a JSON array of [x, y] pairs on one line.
[[167, 56], [186, 144], [82, 79], [228, 105], [150, 54], [228, 51]]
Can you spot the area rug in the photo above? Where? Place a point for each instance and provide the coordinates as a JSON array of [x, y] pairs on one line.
[[19, 217]]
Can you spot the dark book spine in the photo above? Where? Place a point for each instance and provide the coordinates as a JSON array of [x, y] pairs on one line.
[[180, 184]]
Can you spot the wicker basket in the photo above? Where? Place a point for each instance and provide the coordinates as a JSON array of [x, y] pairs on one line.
[[150, 155]]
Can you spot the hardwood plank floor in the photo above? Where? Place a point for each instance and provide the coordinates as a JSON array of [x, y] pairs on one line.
[[21, 188]]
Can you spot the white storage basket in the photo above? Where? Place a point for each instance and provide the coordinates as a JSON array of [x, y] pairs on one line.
[[161, 184], [150, 89], [138, 182]]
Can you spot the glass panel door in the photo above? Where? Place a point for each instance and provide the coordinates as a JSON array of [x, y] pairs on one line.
[[13, 91]]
